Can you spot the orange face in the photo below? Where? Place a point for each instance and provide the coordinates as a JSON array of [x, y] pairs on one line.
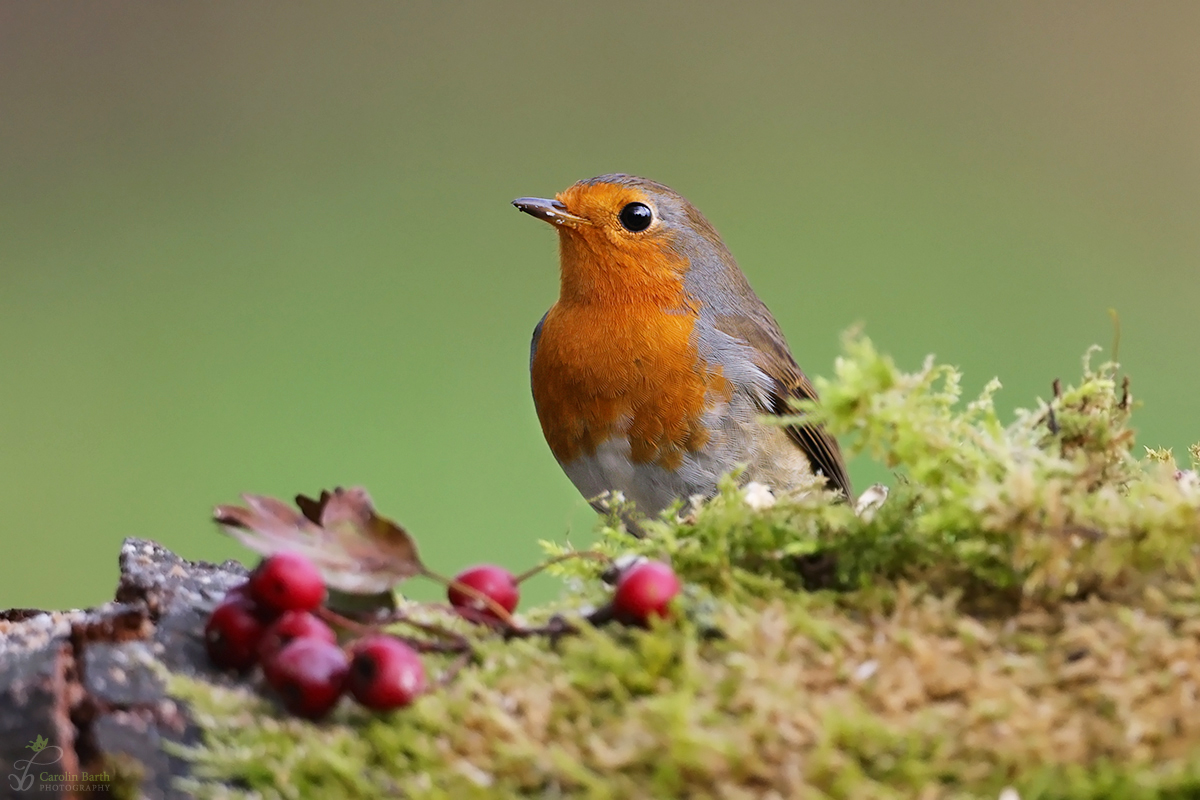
[[614, 245]]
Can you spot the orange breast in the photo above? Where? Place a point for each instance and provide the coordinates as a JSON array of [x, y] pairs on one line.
[[604, 370]]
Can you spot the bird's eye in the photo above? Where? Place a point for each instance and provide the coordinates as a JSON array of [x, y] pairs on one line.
[[636, 217]]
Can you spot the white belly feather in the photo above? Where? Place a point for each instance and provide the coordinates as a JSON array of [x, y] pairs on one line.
[[737, 437]]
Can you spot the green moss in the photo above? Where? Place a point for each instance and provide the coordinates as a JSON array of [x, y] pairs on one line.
[[1021, 611], [127, 776]]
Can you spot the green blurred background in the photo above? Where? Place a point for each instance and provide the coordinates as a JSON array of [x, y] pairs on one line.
[[268, 247]]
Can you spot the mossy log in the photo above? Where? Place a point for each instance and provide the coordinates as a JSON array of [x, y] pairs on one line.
[[1020, 619]]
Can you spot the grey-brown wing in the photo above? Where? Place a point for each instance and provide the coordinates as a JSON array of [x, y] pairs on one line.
[[789, 383], [816, 442]]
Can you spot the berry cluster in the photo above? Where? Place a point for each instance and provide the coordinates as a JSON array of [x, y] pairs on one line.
[[272, 620], [277, 620]]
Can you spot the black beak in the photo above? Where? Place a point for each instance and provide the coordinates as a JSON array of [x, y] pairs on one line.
[[551, 211]]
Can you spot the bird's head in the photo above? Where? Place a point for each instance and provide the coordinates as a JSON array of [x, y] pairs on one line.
[[623, 237]]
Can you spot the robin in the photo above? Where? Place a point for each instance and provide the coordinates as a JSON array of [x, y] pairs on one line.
[[653, 371]]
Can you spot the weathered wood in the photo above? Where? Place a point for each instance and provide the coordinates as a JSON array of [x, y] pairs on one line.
[[89, 684]]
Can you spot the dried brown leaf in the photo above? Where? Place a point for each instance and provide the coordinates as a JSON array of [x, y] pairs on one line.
[[356, 550]]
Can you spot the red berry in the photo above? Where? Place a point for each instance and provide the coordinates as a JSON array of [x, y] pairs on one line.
[[385, 673], [646, 590], [309, 675], [490, 580], [287, 581], [292, 625], [233, 632]]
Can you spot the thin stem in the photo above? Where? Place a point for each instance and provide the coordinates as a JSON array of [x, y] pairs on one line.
[[457, 642], [452, 669], [591, 554], [337, 620]]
